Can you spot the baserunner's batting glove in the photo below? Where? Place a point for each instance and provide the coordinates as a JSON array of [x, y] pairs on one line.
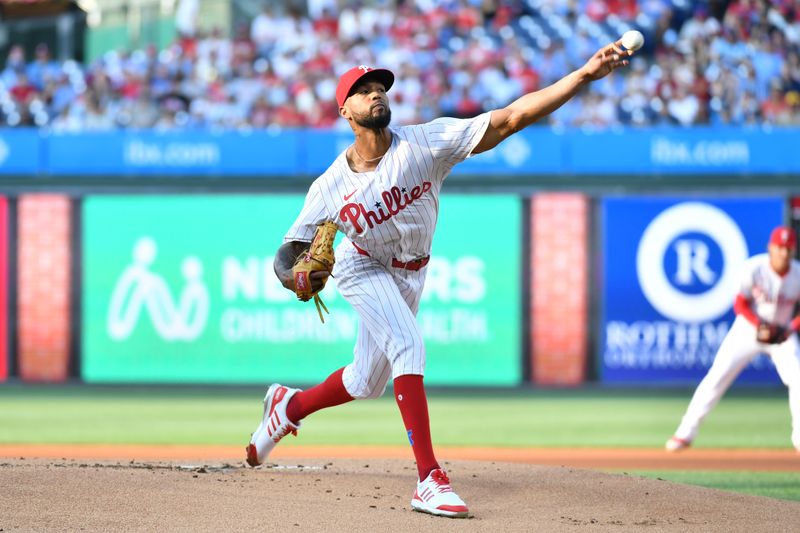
[[315, 265]]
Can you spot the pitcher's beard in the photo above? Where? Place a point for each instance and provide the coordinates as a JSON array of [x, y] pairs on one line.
[[374, 122]]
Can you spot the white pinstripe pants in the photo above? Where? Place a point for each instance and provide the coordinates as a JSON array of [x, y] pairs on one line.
[[389, 341]]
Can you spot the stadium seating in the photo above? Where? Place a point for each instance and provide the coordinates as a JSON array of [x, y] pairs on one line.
[[455, 58]]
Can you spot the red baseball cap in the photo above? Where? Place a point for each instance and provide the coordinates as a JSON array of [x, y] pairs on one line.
[[783, 236], [352, 76]]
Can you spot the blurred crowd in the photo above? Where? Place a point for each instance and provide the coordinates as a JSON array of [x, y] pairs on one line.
[[740, 66]]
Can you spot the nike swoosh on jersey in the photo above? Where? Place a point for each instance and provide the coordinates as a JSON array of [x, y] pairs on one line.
[[348, 196]]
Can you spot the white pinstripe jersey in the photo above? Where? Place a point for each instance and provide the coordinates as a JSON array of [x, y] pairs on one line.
[[773, 296], [392, 210]]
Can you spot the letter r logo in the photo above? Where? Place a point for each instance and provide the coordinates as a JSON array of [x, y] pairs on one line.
[[365, 68], [693, 258]]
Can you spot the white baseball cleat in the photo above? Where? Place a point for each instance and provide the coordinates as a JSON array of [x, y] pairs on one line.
[[274, 424], [434, 495], [676, 444]]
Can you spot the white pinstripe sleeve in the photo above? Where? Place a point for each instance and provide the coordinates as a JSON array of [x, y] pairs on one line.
[[312, 214], [452, 140]]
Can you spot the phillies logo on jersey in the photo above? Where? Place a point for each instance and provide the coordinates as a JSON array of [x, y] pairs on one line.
[[394, 200]]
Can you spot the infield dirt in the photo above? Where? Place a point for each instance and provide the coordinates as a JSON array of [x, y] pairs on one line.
[[315, 494]]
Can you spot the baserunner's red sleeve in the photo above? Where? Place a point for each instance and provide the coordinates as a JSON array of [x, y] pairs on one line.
[[794, 325], [742, 307]]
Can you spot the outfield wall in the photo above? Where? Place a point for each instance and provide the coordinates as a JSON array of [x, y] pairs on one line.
[[179, 288], [159, 277]]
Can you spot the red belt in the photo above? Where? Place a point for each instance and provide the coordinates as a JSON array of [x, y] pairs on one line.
[[414, 265]]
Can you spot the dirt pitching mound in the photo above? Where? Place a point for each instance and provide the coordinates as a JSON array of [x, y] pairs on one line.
[[360, 495]]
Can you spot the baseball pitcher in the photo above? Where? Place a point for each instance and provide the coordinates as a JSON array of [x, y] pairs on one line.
[[382, 193]]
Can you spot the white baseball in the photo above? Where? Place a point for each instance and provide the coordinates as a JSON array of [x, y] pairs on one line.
[[632, 39]]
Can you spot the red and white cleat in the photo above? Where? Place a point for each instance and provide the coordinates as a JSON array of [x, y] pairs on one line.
[[677, 444], [434, 495], [274, 424]]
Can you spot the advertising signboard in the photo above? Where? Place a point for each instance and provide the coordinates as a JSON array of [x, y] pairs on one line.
[[182, 289], [20, 151], [671, 271]]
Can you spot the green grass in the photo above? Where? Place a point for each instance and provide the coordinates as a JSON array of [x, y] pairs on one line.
[[783, 485], [580, 418], [559, 418]]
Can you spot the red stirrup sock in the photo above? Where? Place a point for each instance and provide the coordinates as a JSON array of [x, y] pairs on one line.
[[329, 393], [410, 395]]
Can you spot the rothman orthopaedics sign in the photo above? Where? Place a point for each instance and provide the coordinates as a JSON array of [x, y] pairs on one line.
[[671, 271]]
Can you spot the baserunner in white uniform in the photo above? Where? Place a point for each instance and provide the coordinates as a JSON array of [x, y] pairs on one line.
[[383, 194], [765, 323]]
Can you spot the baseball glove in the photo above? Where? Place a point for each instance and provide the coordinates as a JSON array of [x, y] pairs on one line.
[[315, 264], [771, 333]]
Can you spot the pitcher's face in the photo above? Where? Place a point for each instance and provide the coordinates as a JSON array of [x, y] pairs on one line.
[[368, 105]]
